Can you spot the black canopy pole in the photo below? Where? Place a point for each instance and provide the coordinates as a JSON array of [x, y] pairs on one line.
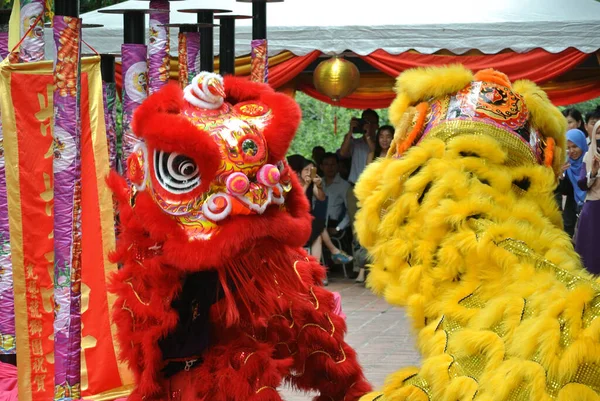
[[134, 27], [259, 20], [207, 62], [107, 67], [227, 46], [67, 8]]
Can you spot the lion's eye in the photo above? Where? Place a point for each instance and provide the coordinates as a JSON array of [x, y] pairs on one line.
[[176, 173], [249, 147]]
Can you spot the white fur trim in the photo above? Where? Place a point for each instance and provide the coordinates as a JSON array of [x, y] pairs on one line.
[[201, 97], [210, 202]]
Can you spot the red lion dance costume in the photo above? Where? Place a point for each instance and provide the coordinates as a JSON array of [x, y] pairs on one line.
[[216, 298]]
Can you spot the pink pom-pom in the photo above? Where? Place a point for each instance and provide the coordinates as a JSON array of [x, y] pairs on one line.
[[268, 175], [237, 184]]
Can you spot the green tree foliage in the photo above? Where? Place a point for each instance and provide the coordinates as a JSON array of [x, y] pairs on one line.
[[585, 107], [317, 126]]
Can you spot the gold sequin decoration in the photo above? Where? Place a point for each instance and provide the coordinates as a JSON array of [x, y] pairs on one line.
[[451, 326], [588, 374], [591, 311], [420, 383], [499, 329], [518, 151], [385, 206], [471, 365], [521, 249], [552, 387], [520, 393], [472, 301], [527, 310], [565, 332]]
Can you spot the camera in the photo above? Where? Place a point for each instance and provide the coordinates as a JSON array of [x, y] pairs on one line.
[[360, 129]]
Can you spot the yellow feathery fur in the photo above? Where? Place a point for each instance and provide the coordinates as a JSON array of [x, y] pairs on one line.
[[474, 251], [417, 85], [544, 116]]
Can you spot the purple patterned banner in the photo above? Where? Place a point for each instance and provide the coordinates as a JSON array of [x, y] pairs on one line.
[[192, 43], [3, 45], [259, 62], [135, 90], [158, 46], [67, 209], [7, 301], [32, 48], [109, 89]]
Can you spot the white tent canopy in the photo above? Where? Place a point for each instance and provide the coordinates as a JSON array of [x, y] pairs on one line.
[[427, 26]]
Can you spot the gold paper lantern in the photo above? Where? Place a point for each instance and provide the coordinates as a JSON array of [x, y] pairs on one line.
[[336, 78]]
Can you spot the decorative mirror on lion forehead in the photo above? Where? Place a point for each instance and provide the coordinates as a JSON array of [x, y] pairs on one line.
[[244, 182]]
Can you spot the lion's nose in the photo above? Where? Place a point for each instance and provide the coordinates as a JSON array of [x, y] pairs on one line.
[[268, 175]]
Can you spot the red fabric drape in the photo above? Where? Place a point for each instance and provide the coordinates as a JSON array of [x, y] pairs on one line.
[[564, 94], [284, 72], [380, 100], [537, 65]]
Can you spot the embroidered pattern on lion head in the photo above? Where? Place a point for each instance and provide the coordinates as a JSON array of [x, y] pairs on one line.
[[464, 232]]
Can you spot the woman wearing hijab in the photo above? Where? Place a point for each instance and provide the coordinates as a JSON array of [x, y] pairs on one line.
[[567, 186], [588, 231]]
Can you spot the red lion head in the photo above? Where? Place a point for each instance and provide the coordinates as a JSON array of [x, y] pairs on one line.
[[208, 177]]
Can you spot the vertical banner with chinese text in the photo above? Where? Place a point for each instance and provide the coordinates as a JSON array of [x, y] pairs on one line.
[[103, 377], [27, 111], [26, 99]]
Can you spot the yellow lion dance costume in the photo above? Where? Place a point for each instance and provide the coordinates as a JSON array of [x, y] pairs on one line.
[[464, 233]]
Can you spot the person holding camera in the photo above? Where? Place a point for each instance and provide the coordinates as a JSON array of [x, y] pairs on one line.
[[358, 143]]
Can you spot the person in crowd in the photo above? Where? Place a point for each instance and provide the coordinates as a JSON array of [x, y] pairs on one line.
[[358, 149], [296, 163], [567, 186], [343, 166], [575, 120], [313, 188], [383, 140], [317, 155], [591, 118], [588, 230], [336, 189]]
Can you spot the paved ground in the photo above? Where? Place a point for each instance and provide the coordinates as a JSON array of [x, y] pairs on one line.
[[379, 333]]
